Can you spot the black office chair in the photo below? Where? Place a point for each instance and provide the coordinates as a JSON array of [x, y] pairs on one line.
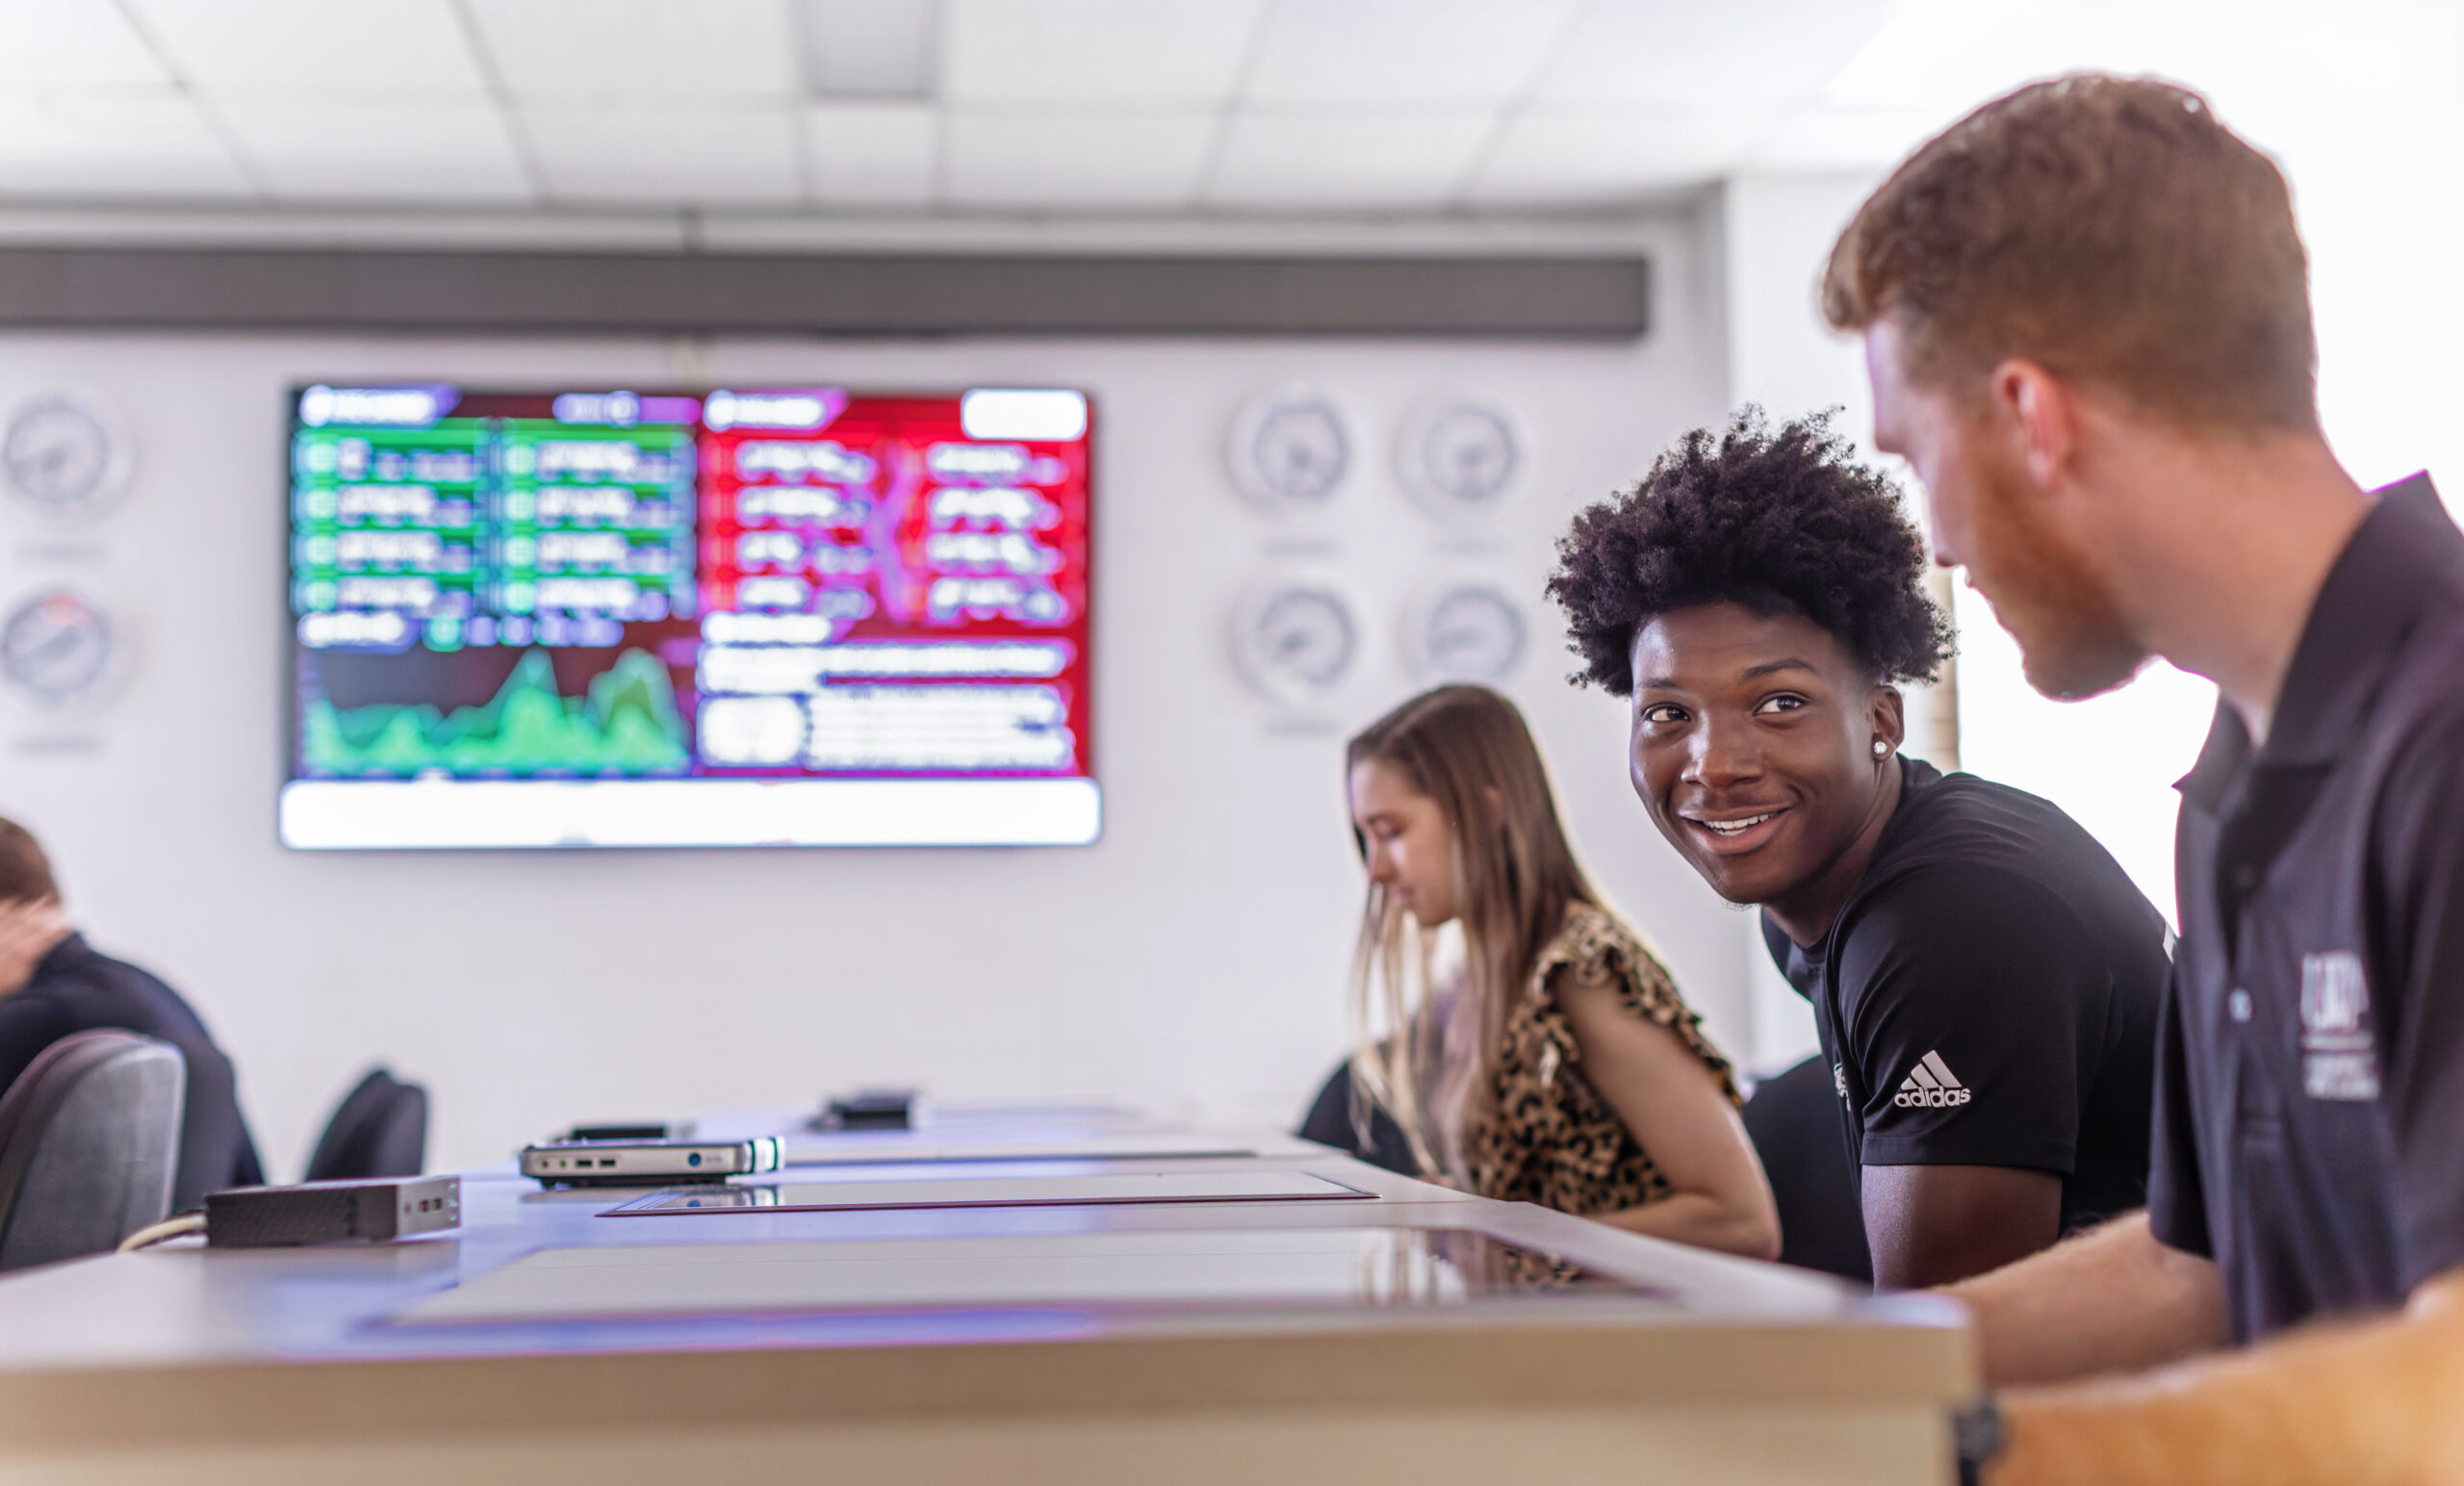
[[212, 1155], [1795, 1121], [379, 1129], [89, 1140], [1329, 1124]]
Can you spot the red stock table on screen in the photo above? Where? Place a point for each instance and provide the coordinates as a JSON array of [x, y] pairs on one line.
[[885, 596]]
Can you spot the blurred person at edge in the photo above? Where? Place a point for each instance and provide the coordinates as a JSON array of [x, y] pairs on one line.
[[53, 984], [2086, 317], [1561, 1065]]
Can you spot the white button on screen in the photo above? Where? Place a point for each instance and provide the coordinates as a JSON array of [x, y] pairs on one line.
[[1023, 413]]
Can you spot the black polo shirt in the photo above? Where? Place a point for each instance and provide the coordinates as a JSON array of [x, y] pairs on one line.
[[1987, 995], [2310, 1099]]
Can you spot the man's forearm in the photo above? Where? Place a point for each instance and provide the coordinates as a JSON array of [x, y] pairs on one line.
[[2370, 1404], [2112, 1301]]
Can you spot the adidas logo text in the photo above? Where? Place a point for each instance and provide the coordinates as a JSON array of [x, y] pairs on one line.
[[1931, 1085]]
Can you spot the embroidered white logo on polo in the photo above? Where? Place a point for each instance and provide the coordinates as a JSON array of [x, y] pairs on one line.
[[2339, 1050], [1931, 1085]]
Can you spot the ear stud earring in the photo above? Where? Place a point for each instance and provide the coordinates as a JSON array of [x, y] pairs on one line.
[[1880, 748]]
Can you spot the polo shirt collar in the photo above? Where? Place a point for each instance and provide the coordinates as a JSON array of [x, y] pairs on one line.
[[2220, 760], [2404, 553]]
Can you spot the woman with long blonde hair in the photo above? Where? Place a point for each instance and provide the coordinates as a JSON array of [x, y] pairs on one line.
[[1558, 1065]]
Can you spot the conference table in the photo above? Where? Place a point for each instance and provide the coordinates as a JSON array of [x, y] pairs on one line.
[[1026, 1294]]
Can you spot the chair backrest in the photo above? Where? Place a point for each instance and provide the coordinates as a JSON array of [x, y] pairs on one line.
[[379, 1129], [209, 1129], [1794, 1121], [89, 1140], [1329, 1124]]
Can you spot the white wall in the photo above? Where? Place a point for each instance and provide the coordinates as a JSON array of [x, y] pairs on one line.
[[1192, 961], [1777, 232]]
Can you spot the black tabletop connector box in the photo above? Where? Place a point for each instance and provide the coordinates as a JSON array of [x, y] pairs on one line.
[[349, 1212], [638, 1129], [870, 1109]]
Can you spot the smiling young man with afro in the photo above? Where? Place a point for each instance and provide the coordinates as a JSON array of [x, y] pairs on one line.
[[1985, 977]]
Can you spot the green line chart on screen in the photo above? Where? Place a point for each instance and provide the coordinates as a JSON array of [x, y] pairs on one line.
[[625, 725]]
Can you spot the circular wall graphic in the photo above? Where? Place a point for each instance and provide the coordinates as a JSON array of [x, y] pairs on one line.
[[57, 647], [1466, 632], [1296, 639], [1458, 457], [64, 455], [1289, 450]]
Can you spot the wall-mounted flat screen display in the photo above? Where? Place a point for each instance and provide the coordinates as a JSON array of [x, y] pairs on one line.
[[774, 616]]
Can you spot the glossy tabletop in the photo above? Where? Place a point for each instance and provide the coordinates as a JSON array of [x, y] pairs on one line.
[[1237, 1312]]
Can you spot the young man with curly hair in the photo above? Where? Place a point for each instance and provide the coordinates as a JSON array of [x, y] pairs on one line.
[[2086, 321], [1985, 977]]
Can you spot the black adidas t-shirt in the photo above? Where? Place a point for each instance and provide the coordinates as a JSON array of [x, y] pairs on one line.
[[1989, 994]]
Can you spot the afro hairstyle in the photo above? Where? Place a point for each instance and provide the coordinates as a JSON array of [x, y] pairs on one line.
[[1784, 522]]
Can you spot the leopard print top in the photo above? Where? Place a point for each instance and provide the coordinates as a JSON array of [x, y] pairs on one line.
[[1554, 1141]]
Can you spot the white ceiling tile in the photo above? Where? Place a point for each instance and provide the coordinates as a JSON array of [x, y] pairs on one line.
[[1065, 160], [1346, 161], [1547, 160], [314, 45], [1095, 53], [73, 41], [676, 154], [113, 143], [1946, 58], [1824, 137], [1949, 56], [1658, 52], [876, 49], [379, 150], [873, 154], [640, 51], [1347, 53]]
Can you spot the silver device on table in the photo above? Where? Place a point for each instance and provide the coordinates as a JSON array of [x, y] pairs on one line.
[[649, 1163]]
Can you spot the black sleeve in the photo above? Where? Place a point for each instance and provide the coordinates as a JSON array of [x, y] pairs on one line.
[[2421, 966], [2176, 1195], [1973, 1000]]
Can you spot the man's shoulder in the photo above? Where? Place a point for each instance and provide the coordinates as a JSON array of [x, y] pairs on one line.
[[1946, 897], [2412, 788], [1970, 840], [1966, 816], [88, 985], [1941, 927], [83, 961], [2420, 703], [2005, 844]]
